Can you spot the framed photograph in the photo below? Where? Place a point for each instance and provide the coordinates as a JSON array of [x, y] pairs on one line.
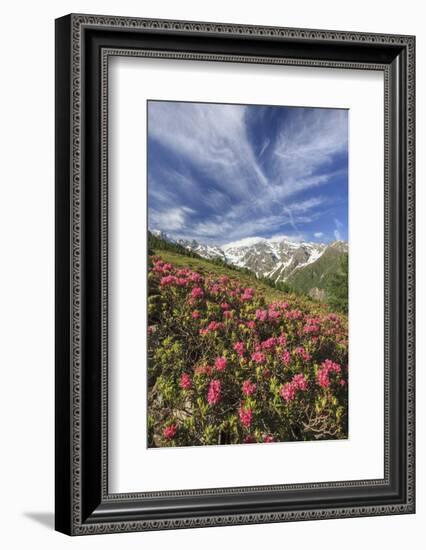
[[234, 274]]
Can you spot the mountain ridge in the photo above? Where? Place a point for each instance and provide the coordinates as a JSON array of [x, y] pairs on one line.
[[278, 258]]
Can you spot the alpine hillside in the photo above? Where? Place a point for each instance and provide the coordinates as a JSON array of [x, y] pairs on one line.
[[304, 266]]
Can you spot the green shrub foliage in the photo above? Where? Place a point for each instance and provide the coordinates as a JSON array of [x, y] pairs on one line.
[[226, 366]]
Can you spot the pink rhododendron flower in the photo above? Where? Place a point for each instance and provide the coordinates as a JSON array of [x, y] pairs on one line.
[[161, 267], [215, 288], [247, 294], [246, 416], [323, 373], [197, 292], [170, 431], [286, 357], [301, 352], [294, 314], [228, 314], [269, 344], [220, 363], [268, 438], [195, 277], [273, 315], [288, 391], [261, 314], [214, 393], [248, 387], [312, 326], [212, 327], [282, 340], [300, 381], [185, 381], [258, 357], [239, 348], [249, 439], [195, 314], [168, 280]]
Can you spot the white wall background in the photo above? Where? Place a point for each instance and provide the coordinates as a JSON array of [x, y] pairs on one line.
[[26, 289]]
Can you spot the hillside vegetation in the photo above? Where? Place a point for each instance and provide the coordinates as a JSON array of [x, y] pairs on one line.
[[317, 274], [265, 287], [326, 279], [232, 360]]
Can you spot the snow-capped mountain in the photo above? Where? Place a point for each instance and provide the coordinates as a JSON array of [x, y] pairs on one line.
[[275, 258]]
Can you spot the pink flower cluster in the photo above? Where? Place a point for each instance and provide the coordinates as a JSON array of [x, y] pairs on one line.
[[286, 357], [197, 292], [312, 326], [185, 381], [214, 393], [182, 277], [282, 340], [261, 314], [323, 373], [239, 348], [259, 357], [289, 389], [301, 352], [170, 431], [269, 344], [246, 416], [248, 387], [294, 314], [168, 280], [247, 295], [161, 267], [220, 363], [273, 314], [211, 327]]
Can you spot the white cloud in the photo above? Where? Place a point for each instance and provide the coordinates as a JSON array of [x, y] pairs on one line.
[[252, 194], [173, 219], [318, 234], [211, 136], [337, 231]]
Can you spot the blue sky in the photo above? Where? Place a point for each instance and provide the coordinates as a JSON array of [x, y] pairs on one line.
[[220, 173]]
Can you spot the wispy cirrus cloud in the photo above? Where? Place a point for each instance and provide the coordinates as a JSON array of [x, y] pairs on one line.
[[338, 229], [206, 180]]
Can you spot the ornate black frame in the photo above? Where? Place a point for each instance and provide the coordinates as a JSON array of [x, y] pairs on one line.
[[83, 46]]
